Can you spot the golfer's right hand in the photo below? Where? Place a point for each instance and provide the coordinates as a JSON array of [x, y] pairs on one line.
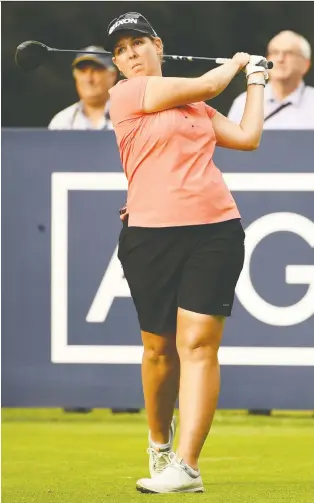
[[242, 59]]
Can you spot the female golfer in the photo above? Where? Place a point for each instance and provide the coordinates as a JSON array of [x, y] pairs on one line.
[[182, 242]]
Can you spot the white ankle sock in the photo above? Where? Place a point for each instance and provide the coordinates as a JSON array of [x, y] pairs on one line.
[[193, 473], [161, 447], [189, 470]]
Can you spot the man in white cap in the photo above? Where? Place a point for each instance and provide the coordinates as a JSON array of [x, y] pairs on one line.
[[94, 75], [289, 102]]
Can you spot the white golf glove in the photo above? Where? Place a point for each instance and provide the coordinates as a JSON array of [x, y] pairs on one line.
[[254, 66]]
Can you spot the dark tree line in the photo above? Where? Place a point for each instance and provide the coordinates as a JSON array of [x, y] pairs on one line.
[[214, 29]]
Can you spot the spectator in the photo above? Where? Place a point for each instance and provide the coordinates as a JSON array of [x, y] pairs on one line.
[[94, 75], [289, 103]]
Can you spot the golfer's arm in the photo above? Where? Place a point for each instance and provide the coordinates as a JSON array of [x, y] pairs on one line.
[[168, 92], [247, 134]]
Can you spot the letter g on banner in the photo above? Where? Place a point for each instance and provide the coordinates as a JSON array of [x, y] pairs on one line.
[[295, 274]]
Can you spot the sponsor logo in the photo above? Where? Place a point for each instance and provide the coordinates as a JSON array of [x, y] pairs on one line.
[[122, 21], [113, 284]]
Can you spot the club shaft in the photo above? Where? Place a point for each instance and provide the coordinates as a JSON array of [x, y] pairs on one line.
[[188, 58], [219, 61], [166, 56]]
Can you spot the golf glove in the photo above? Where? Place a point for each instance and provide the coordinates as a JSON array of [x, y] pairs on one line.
[[255, 65]]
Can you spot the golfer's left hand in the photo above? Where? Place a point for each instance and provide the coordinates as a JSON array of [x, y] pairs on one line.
[[254, 66]]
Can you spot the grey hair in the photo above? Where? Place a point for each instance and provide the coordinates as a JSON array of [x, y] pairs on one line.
[[304, 44], [305, 47]]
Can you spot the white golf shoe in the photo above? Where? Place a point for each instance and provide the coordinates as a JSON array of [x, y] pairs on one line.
[[159, 458], [173, 479]]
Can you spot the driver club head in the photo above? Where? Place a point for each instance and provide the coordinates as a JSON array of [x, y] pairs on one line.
[[30, 55]]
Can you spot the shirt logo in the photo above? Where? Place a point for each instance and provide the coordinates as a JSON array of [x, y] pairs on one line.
[[122, 21]]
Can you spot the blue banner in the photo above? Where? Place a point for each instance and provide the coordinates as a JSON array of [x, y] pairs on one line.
[[70, 335]]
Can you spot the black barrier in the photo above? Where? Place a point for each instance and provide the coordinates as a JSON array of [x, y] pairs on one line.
[[70, 335]]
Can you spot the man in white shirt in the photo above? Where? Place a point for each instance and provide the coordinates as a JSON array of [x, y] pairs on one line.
[[94, 75], [289, 103]]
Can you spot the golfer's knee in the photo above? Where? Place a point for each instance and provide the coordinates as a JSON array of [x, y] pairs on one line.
[[199, 342], [158, 357], [198, 335], [159, 350], [197, 347]]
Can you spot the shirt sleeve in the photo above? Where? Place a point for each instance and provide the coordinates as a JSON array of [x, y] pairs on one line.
[[62, 120], [210, 111], [53, 124], [127, 98]]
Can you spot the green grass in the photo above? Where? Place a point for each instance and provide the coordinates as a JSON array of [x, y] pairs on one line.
[[49, 456]]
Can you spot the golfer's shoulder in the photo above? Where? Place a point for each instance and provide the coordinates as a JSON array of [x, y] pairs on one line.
[[128, 88], [127, 98], [64, 118]]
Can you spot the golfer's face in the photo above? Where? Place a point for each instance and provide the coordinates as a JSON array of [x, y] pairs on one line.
[[289, 63], [137, 55], [93, 81]]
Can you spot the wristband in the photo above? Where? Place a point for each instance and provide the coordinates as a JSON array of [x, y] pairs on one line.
[[256, 81]]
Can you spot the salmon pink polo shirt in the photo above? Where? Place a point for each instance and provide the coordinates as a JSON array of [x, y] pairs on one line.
[[167, 158]]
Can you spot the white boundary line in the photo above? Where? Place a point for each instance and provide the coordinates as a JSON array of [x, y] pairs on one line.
[[62, 352]]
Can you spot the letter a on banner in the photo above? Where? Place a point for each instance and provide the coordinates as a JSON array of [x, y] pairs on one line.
[[113, 284]]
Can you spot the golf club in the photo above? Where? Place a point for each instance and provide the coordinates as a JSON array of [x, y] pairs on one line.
[[31, 54]]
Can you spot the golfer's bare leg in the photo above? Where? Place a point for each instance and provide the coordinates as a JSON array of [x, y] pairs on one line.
[[198, 340], [160, 375]]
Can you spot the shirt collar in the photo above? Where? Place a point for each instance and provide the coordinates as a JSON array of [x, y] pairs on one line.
[[294, 97], [106, 109]]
